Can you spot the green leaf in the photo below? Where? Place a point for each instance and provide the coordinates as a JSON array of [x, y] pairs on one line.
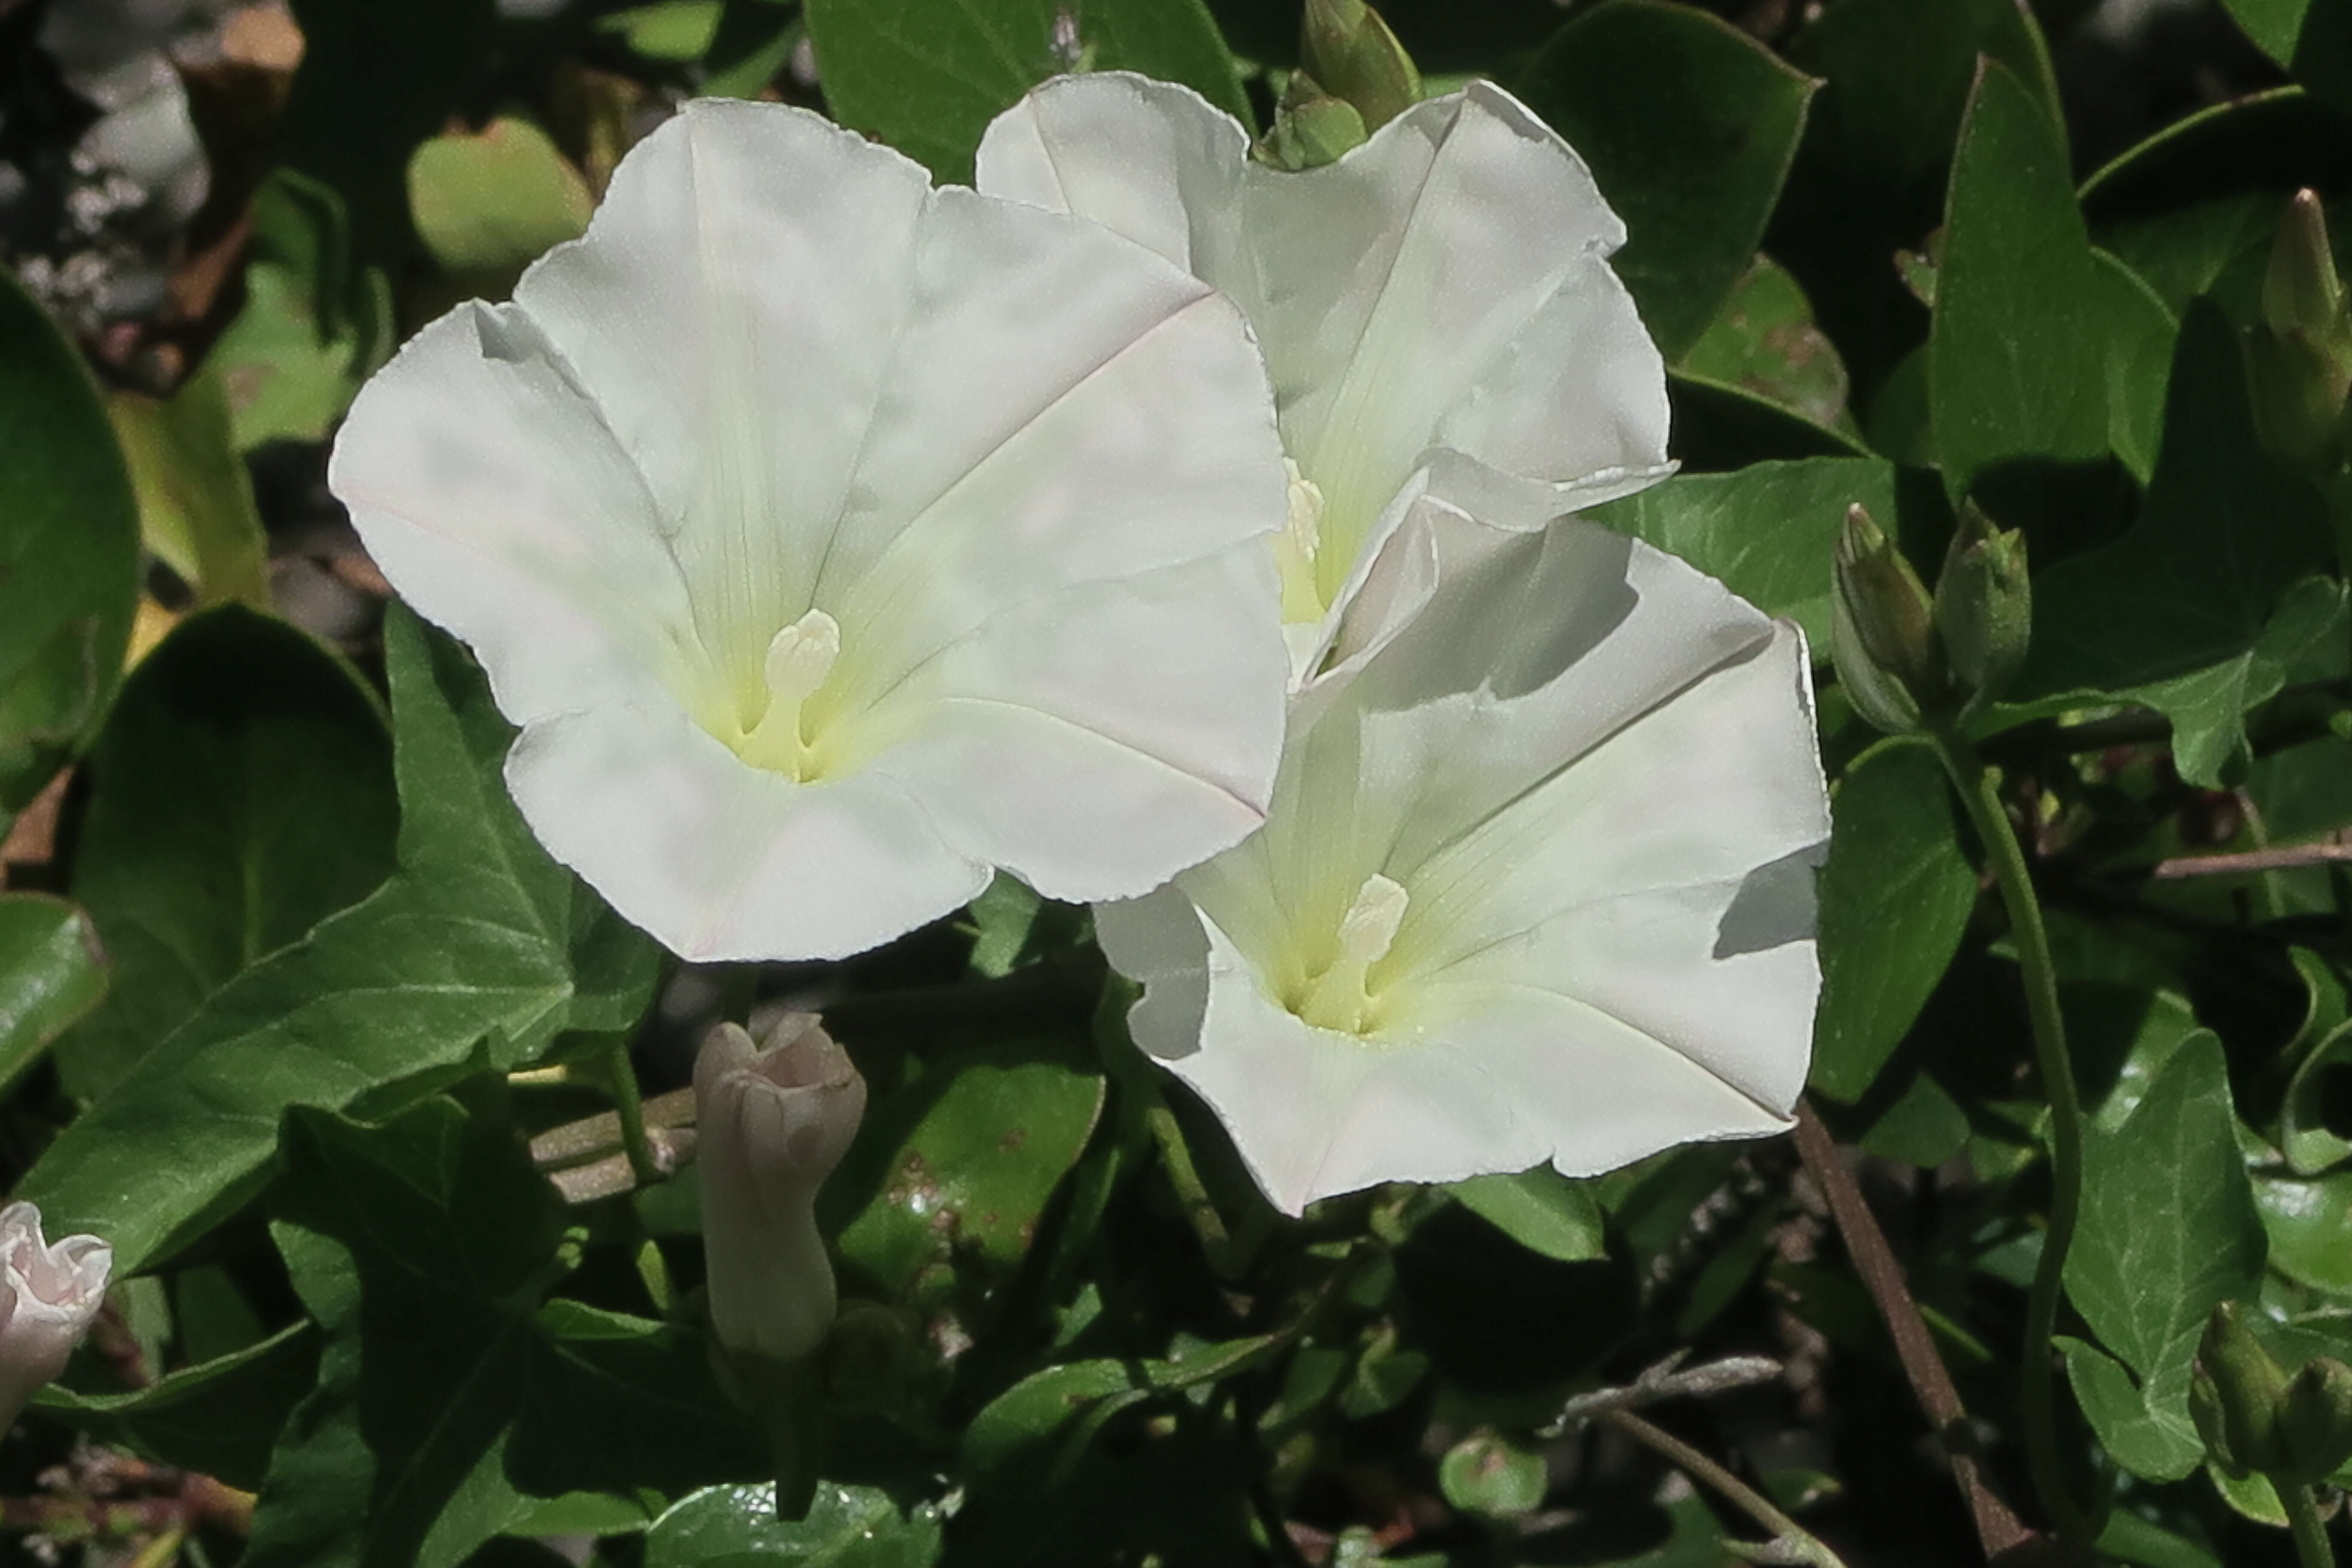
[[2178, 613], [1045, 1422], [2168, 1227], [448, 1233], [1767, 530], [2140, 332], [1540, 1209], [197, 510], [2273, 25], [2149, 1438], [69, 550], [2015, 369], [846, 1527], [2219, 248], [220, 1417], [1899, 75], [315, 323], [939, 1197], [2318, 1057], [479, 940], [926, 76], [243, 793], [1689, 126], [1765, 342], [1484, 1473], [2306, 1218], [1895, 897], [52, 972], [487, 204], [618, 1404]]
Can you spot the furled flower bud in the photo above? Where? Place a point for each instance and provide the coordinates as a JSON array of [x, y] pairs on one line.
[[2315, 1420], [1984, 609], [2234, 1392], [771, 1121], [1883, 629], [1352, 53], [1311, 127], [2300, 353], [48, 1297]]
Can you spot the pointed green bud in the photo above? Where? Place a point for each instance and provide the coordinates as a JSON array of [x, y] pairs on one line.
[[2234, 1392], [2301, 293], [2314, 1422], [1348, 49], [1984, 607], [1882, 630], [1311, 127]]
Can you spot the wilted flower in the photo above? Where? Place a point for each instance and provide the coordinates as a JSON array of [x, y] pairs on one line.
[[835, 540], [1436, 307], [49, 1295], [1536, 885], [771, 1124]]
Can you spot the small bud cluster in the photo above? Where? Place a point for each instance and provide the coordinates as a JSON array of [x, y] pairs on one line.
[[2255, 1419], [1909, 659], [1354, 77]]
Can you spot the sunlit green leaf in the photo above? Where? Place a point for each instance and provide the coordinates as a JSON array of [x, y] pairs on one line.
[[52, 972]]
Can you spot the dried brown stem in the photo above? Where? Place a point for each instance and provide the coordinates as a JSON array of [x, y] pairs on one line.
[[2249, 862]]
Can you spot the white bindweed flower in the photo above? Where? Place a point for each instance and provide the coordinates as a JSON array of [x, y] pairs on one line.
[[49, 1295], [834, 540], [771, 1124], [1437, 310], [1536, 885]]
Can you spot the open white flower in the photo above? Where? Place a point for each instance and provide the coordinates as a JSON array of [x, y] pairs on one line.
[[835, 540], [1436, 307], [49, 1296], [1536, 885]]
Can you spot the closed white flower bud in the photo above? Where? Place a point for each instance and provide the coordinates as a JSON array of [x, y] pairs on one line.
[[771, 1121], [48, 1297]]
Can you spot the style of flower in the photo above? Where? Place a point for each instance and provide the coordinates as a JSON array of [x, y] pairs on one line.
[[49, 1295], [834, 541], [1536, 885], [771, 1123], [1436, 307]]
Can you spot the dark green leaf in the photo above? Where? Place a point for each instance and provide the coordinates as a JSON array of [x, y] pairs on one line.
[[2016, 369], [616, 1402], [243, 795], [1895, 897], [1540, 1209], [1898, 75], [1767, 532], [1049, 1417], [926, 76], [68, 548], [1765, 342], [2140, 333], [52, 972], [220, 1417], [2168, 1227], [846, 1527], [2178, 613], [1689, 126], [477, 940]]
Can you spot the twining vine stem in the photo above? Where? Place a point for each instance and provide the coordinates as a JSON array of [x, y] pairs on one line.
[[2310, 1548], [1798, 1541], [1980, 795]]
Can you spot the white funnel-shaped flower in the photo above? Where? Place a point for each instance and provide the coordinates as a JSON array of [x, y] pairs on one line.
[[49, 1295]]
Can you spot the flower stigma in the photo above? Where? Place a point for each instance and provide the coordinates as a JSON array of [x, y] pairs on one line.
[[1339, 997], [798, 660]]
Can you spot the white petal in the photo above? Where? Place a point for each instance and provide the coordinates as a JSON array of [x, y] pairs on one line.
[[718, 861], [1158, 942], [1150, 710], [1151, 161], [487, 486]]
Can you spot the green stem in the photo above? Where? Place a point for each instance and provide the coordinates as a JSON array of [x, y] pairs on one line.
[[1785, 1530], [630, 1109], [1982, 797], [1191, 1193], [2310, 1548]]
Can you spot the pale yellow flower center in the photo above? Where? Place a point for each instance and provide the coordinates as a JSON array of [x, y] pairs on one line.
[[1340, 996], [799, 659]]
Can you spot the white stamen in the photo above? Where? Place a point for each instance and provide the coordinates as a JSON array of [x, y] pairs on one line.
[[1340, 996], [802, 655], [1304, 528], [1370, 926]]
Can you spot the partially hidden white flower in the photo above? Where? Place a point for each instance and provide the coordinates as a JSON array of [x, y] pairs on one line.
[[834, 540], [1536, 885], [1436, 307], [771, 1124], [49, 1296]]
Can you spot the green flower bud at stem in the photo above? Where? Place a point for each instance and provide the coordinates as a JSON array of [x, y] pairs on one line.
[[2235, 1390], [2301, 293], [1311, 127], [1350, 51], [1984, 609], [1882, 630], [2314, 1421]]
